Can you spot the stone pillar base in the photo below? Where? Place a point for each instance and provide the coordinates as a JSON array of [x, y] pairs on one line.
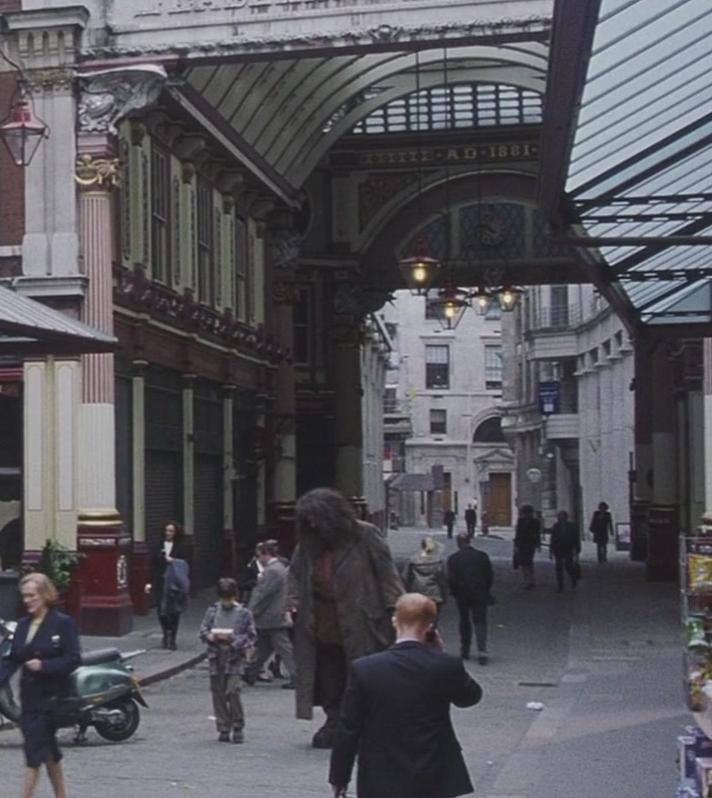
[[139, 576], [639, 516], [662, 561], [104, 574]]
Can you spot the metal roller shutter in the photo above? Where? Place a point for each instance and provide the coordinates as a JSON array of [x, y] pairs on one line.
[[163, 492], [208, 553]]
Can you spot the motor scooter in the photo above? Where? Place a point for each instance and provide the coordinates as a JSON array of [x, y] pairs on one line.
[[104, 693]]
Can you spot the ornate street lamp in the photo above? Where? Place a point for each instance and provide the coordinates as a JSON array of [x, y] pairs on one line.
[[451, 305], [419, 270], [482, 300], [22, 131], [508, 297]]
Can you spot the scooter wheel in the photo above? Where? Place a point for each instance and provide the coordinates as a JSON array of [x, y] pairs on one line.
[[118, 731]]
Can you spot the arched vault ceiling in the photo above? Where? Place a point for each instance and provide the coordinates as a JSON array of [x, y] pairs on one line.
[[291, 111]]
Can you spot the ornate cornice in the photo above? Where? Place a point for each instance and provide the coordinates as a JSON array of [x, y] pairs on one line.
[[108, 95]]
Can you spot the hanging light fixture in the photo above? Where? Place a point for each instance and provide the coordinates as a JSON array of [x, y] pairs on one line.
[[419, 270], [451, 303], [22, 131], [508, 297], [481, 299]]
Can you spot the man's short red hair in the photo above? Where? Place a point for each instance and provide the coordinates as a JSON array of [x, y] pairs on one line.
[[415, 609]]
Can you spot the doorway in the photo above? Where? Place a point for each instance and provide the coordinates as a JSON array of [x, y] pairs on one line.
[[499, 500]]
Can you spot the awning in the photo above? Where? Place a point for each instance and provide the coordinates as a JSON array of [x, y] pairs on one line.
[[28, 327], [629, 105]]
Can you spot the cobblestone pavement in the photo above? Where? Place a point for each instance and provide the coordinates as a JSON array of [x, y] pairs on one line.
[[604, 661]]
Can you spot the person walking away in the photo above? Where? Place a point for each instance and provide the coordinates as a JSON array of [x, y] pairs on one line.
[[601, 526], [343, 586], [228, 631], [171, 547], [396, 715], [564, 548], [449, 519], [471, 520], [46, 647], [470, 577], [527, 539], [268, 605], [425, 572]]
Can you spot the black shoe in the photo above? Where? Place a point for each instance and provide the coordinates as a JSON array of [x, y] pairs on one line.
[[483, 659], [249, 678], [238, 736], [224, 737], [165, 640], [288, 685], [172, 645], [324, 738]]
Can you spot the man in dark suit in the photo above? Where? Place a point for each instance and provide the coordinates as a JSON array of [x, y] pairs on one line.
[[396, 714], [470, 575]]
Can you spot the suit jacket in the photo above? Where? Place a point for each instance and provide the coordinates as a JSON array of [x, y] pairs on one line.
[[268, 601], [396, 717], [56, 643], [565, 539], [470, 575]]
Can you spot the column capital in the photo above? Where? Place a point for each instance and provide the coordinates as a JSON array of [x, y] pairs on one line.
[[97, 173], [107, 95]]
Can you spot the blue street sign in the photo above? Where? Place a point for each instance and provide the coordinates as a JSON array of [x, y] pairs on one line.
[[549, 397]]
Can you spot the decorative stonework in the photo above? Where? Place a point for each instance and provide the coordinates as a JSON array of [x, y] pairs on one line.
[[97, 172], [108, 95], [377, 190]]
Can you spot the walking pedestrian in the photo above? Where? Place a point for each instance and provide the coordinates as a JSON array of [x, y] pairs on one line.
[[564, 548], [343, 586], [471, 519], [46, 647], [601, 526], [268, 605], [449, 519], [396, 715], [228, 631], [527, 539], [470, 576], [169, 605], [425, 572]]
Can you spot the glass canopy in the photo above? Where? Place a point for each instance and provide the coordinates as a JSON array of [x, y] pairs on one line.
[[640, 166]]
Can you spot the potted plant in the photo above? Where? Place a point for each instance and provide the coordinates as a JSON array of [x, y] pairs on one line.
[[59, 564]]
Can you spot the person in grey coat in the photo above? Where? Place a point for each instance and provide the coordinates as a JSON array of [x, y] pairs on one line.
[[268, 604], [425, 572]]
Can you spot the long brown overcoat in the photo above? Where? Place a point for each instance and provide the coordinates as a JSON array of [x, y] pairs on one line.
[[367, 587]]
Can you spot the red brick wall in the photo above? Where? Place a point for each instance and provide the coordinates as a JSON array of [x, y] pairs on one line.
[[12, 178]]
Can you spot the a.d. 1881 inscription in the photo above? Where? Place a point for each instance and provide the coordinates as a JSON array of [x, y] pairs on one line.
[[505, 151]]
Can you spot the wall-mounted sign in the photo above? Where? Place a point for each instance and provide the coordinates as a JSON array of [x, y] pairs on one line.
[[549, 397]]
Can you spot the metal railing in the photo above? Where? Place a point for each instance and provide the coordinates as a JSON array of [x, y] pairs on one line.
[[557, 317]]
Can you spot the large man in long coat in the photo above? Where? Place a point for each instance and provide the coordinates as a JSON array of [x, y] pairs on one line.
[[343, 586]]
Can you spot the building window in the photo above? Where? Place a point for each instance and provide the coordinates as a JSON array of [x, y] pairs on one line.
[[390, 400], [206, 255], [559, 306], [438, 422], [493, 367], [437, 367], [302, 325], [160, 214], [432, 310], [241, 257]]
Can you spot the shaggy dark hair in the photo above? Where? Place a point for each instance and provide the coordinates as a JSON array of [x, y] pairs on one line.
[[326, 515]]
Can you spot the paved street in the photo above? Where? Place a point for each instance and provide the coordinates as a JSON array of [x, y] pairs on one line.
[[605, 662]]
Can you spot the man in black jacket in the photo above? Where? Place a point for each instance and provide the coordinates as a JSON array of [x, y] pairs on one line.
[[565, 547], [396, 714], [470, 576]]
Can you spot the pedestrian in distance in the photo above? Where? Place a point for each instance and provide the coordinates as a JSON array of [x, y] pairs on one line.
[[425, 572], [470, 577], [471, 519], [449, 521], [268, 604], [396, 714], [527, 539], [602, 527], [169, 583], [228, 631], [564, 549], [46, 647], [343, 586]]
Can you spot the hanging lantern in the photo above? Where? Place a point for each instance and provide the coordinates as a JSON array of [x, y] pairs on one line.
[[21, 130], [508, 298], [419, 270], [451, 305], [481, 300]]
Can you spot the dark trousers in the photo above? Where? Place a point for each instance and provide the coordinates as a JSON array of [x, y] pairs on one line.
[[449, 530], [473, 613], [565, 562], [277, 641], [227, 702], [602, 552], [331, 674], [470, 528], [169, 623]]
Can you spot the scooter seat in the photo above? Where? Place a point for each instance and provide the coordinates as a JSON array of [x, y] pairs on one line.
[[100, 656]]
